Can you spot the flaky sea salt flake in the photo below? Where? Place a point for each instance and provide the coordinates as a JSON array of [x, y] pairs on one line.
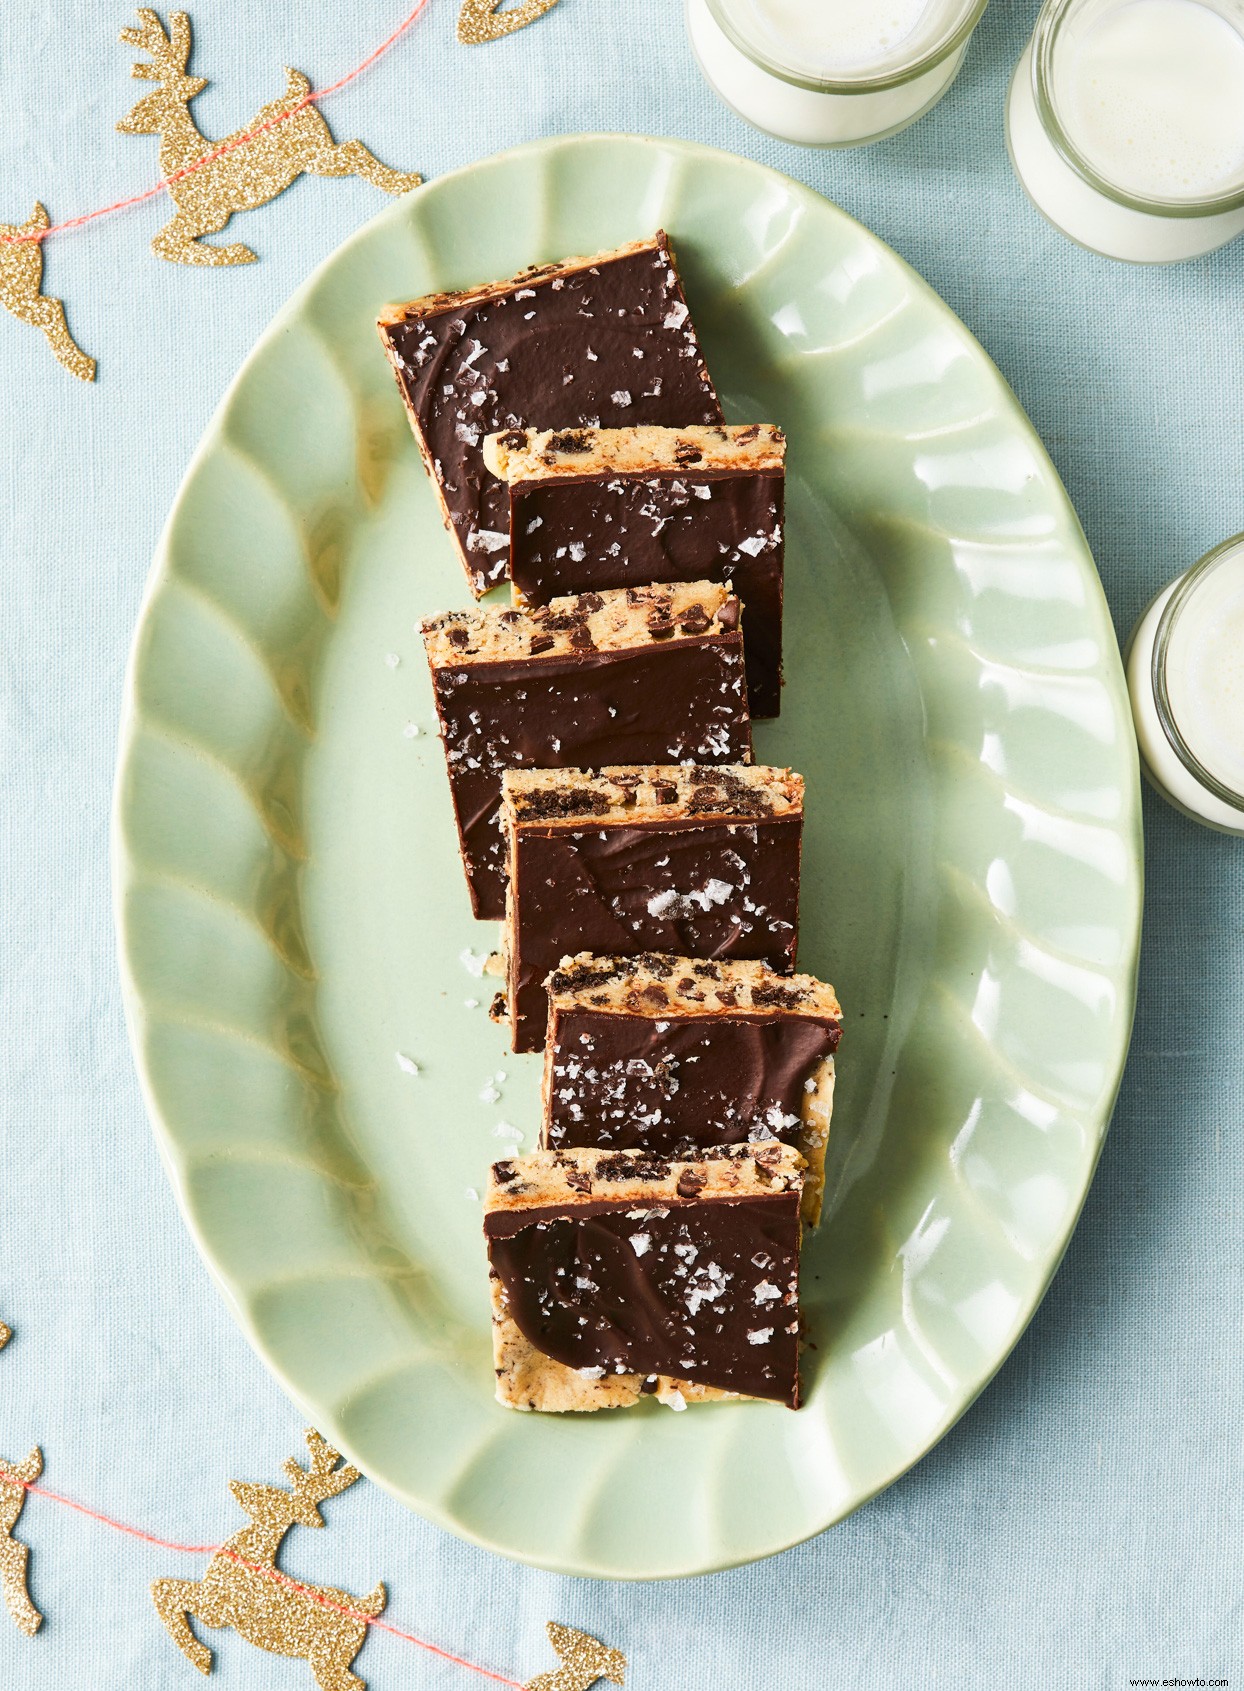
[[487, 540]]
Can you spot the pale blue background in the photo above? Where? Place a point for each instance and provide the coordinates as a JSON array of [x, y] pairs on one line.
[[1083, 1524]]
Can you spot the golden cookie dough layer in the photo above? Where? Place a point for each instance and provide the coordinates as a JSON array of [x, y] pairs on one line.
[[643, 986], [547, 454], [635, 1179], [649, 793], [616, 620]]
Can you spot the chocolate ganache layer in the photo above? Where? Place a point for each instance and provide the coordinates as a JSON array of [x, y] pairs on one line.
[[704, 1291], [674, 1084], [606, 341], [701, 888]]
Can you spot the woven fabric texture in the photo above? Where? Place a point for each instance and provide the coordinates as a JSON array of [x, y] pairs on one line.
[[1081, 1526]]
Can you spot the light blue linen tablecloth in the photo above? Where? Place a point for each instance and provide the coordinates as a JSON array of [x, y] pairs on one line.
[[1082, 1526]]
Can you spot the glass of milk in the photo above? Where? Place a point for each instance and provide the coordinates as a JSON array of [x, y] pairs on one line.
[[1185, 673], [831, 73], [1125, 123]]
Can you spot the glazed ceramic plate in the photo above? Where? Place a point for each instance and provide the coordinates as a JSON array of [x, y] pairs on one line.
[[293, 916]]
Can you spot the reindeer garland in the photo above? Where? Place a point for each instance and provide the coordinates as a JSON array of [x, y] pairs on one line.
[[209, 181], [244, 1588]]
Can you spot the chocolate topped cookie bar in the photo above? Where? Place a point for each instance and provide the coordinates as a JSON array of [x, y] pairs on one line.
[[616, 1277], [593, 508], [694, 861], [671, 1054], [643, 672], [600, 341]]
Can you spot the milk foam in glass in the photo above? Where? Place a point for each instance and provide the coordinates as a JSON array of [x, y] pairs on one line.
[[831, 72], [1185, 674], [1126, 124]]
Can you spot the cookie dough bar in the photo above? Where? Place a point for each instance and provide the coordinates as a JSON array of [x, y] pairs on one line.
[[673, 1054], [593, 508], [693, 861], [617, 1276], [602, 341]]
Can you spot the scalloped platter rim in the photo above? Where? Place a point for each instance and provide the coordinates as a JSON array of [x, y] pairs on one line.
[[299, 962]]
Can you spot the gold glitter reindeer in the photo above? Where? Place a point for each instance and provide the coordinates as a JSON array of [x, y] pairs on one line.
[[584, 1660], [21, 278], [13, 1555], [250, 167], [243, 1587]]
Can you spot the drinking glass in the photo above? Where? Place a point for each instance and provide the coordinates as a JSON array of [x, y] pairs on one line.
[[1125, 124], [831, 74]]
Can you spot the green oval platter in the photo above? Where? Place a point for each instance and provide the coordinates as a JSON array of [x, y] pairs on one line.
[[293, 920]]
